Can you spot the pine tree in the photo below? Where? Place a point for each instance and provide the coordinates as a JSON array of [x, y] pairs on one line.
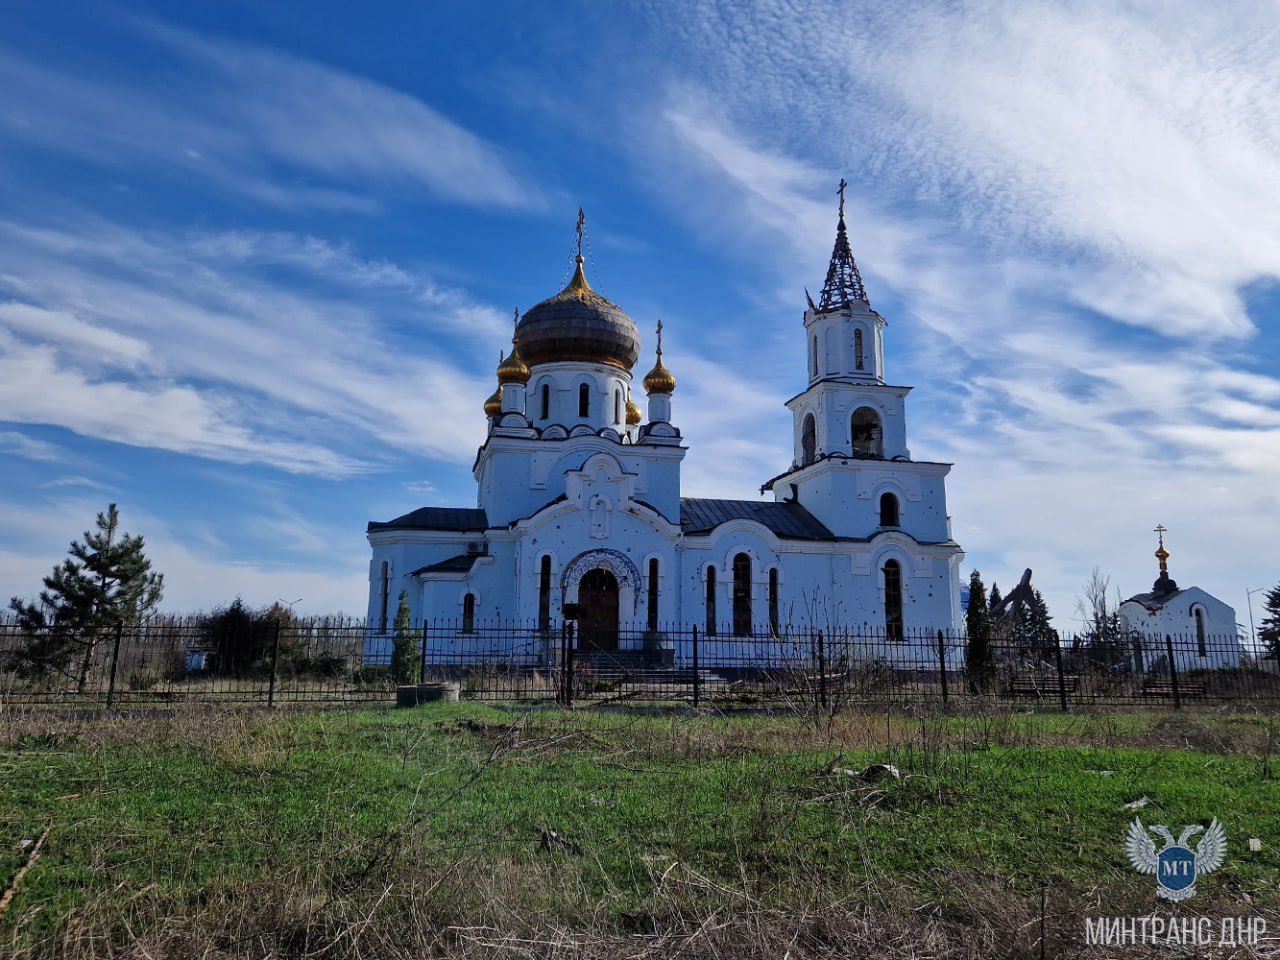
[[404, 644], [106, 582], [1269, 629], [980, 661], [994, 598]]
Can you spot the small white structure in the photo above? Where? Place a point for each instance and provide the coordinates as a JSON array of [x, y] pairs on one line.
[[579, 499], [1201, 627]]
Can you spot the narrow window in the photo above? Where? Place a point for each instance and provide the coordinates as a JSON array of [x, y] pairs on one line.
[[741, 595], [893, 600], [544, 596], [773, 601], [546, 401], [617, 406], [653, 594], [385, 595], [711, 601], [469, 613], [857, 349], [1201, 644], [888, 510], [808, 441], [813, 360], [584, 401]]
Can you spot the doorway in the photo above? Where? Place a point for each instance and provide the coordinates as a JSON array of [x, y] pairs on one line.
[[598, 597]]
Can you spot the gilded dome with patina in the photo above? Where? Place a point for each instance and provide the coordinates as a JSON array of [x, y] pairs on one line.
[[493, 406], [513, 369], [580, 325], [633, 411]]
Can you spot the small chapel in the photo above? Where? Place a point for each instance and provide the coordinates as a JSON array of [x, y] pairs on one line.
[[578, 494]]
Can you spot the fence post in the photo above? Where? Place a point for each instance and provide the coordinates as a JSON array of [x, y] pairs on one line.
[[1062, 680], [942, 667], [568, 649], [422, 659], [115, 660], [822, 673], [275, 664], [697, 683], [1173, 672]]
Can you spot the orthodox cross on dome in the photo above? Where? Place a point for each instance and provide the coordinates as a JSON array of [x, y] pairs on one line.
[[844, 283], [1161, 553], [659, 338], [582, 224]]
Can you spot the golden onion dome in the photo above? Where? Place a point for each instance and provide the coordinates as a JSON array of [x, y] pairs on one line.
[[659, 380], [493, 406], [513, 369], [633, 412]]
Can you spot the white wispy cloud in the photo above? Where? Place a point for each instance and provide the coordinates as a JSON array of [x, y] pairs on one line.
[[250, 119], [183, 341]]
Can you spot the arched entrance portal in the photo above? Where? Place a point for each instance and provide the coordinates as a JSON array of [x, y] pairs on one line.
[[598, 597]]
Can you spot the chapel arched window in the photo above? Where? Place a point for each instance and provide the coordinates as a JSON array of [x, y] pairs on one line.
[[544, 595], [773, 601], [858, 359], [1202, 642], [584, 400], [711, 601], [653, 595], [546, 401], [469, 613]]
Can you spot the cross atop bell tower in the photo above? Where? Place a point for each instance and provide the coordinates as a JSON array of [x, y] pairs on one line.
[[844, 284]]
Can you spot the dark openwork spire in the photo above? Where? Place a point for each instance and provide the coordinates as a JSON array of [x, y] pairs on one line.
[[844, 282]]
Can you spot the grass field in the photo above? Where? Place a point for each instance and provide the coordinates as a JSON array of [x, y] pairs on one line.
[[476, 831]]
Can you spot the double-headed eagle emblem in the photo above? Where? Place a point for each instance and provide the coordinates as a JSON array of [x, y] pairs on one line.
[[1175, 865]]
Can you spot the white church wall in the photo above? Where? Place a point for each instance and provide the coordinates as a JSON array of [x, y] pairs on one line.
[[1176, 620]]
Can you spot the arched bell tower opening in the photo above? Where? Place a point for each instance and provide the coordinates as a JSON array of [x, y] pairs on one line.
[[808, 440], [867, 434]]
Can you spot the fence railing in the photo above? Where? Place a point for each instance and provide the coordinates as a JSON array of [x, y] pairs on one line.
[[282, 661]]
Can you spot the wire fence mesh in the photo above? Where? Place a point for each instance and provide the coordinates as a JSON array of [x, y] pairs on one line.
[[336, 660]]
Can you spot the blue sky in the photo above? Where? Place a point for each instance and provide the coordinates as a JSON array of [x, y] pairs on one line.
[[257, 262]]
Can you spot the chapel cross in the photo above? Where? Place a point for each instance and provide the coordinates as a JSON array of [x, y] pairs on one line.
[[843, 183], [582, 222], [659, 338]]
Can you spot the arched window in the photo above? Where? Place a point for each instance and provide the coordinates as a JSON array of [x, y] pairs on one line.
[[469, 613], [773, 601], [742, 595], [857, 350], [892, 600], [546, 401], [544, 595], [808, 440], [888, 510], [813, 359], [711, 601], [653, 594], [866, 434], [384, 593], [1202, 644], [584, 400], [617, 406]]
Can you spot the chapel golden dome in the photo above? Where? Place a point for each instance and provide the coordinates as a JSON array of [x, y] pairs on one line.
[[659, 380], [633, 412]]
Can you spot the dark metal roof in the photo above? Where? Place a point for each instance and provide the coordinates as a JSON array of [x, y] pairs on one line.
[[1164, 590], [453, 519], [459, 564], [787, 520]]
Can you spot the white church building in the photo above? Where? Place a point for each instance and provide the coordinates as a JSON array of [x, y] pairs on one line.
[[578, 497]]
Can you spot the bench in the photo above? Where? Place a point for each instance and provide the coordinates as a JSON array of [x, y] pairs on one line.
[[1031, 685], [1189, 689]]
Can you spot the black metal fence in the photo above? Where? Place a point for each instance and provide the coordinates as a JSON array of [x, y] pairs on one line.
[[331, 660]]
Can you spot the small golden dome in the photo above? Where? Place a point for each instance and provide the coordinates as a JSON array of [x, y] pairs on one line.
[[513, 369], [493, 406], [659, 379], [633, 412]]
